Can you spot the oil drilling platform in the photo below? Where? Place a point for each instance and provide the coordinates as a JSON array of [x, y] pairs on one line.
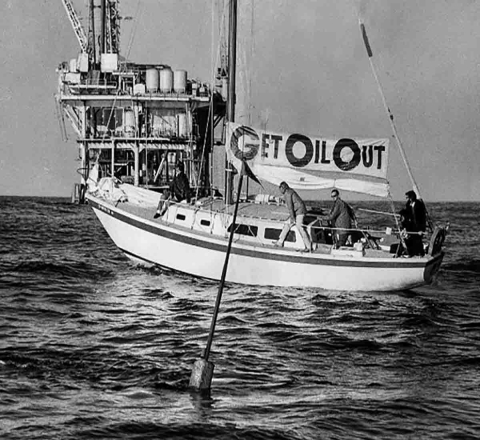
[[134, 121]]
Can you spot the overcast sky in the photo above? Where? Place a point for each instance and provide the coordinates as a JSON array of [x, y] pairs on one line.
[[307, 72]]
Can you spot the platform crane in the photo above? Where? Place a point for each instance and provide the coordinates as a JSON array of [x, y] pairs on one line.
[[77, 26]]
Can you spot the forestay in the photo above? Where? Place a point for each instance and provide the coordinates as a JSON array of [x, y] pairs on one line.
[[311, 162]]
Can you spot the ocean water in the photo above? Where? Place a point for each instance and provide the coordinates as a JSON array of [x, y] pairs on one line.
[[92, 347]]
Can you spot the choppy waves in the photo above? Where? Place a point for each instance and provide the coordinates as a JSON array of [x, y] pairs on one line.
[[93, 347]]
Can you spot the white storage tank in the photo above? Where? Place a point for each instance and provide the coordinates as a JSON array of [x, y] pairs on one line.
[[180, 81], [139, 89], [166, 80], [129, 123], [182, 125], [152, 80]]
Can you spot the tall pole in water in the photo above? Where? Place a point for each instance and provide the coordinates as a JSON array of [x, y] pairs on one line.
[[202, 373], [232, 66]]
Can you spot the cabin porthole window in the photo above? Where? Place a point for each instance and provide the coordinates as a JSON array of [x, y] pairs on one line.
[[274, 234], [247, 230]]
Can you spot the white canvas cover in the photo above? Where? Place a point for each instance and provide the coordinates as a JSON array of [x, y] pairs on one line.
[[311, 162]]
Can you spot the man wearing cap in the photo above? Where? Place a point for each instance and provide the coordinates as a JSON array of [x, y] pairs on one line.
[[341, 216], [297, 210]]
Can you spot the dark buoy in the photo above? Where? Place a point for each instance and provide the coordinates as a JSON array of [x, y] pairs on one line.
[[202, 374]]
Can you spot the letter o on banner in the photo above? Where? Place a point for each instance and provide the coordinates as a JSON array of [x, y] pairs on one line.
[[252, 148], [337, 154], [299, 161]]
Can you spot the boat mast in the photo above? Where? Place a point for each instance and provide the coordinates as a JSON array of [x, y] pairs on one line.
[[231, 98]]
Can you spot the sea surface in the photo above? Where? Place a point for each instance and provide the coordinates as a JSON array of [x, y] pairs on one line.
[[92, 347]]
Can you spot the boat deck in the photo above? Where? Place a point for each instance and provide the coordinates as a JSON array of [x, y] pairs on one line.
[[252, 215]]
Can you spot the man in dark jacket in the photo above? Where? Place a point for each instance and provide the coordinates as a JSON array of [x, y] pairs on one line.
[[179, 190], [416, 212], [179, 187], [410, 238], [341, 216]]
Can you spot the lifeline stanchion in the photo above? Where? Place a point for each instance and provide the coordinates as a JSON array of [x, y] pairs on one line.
[[202, 373]]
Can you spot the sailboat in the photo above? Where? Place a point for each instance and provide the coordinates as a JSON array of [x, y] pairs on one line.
[[193, 237]]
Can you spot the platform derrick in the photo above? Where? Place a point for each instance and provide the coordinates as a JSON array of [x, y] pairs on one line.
[[133, 121]]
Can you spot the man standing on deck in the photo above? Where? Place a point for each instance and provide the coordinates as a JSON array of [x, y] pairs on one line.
[[297, 210], [341, 216], [416, 212]]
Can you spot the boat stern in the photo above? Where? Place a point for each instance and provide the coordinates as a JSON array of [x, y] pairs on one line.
[[432, 267]]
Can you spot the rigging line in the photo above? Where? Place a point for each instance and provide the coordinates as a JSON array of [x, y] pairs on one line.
[[210, 120], [109, 120], [374, 211], [61, 119], [210, 107], [129, 47], [215, 63], [132, 35], [387, 108], [97, 159], [134, 29], [221, 29], [392, 204], [252, 53], [390, 114], [249, 80]]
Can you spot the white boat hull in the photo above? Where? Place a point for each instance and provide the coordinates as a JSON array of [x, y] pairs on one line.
[[202, 255]]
